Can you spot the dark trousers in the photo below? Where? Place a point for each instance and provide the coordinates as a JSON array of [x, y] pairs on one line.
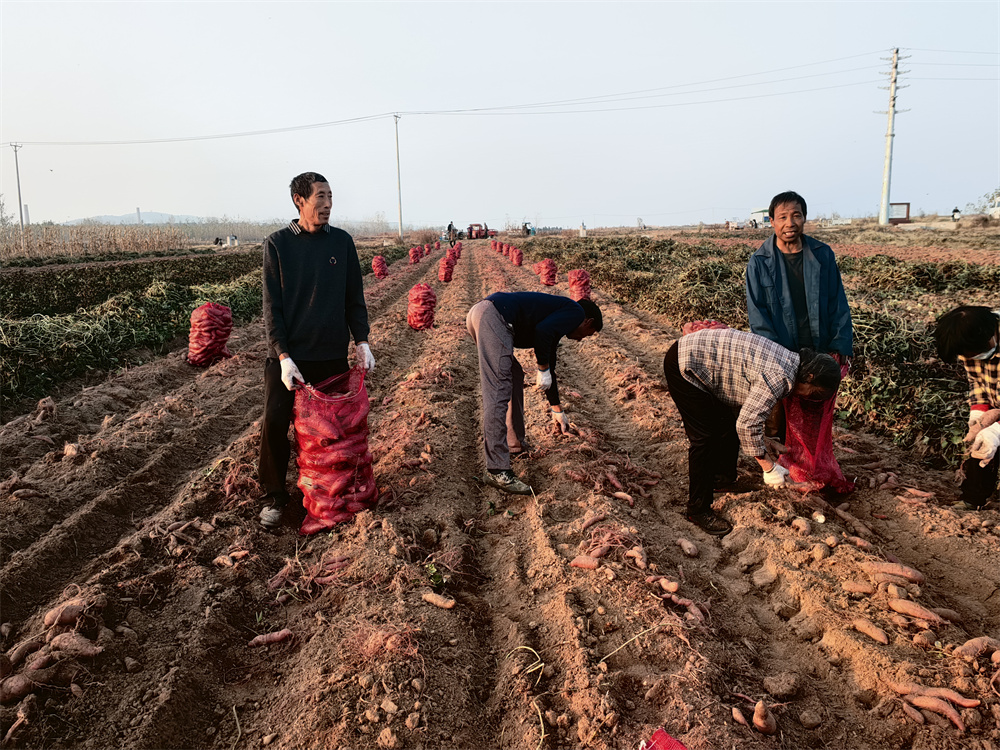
[[278, 403], [980, 482], [711, 430]]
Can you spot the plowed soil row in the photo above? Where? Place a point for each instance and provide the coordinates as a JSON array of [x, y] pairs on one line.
[[534, 653]]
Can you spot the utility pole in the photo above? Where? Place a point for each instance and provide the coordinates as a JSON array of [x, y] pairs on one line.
[[883, 213], [20, 209], [399, 184]]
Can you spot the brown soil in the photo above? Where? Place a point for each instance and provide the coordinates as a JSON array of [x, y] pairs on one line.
[[535, 653]]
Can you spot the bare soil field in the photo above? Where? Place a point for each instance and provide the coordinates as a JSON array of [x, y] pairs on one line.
[[137, 496]]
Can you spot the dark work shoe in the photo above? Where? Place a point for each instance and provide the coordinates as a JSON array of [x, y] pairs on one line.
[[711, 523], [507, 481]]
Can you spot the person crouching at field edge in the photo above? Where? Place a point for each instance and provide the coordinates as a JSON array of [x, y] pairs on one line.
[[725, 384], [973, 335], [521, 320]]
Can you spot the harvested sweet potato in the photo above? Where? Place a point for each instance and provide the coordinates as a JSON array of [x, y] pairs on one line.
[[972, 648], [739, 718], [586, 562], [75, 644], [871, 630], [938, 706], [268, 639], [764, 720], [437, 600], [912, 609], [688, 548], [19, 685], [23, 649], [913, 713], [66, 613], [857, 587], [948, 614], [5, 666], [893, 569]]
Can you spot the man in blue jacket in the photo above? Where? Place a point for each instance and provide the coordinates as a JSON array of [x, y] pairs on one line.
[[521, 320], [795, 296]]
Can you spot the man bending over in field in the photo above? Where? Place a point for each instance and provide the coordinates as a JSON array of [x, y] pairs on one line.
[[521, 320], [313, 303], [725, 383]]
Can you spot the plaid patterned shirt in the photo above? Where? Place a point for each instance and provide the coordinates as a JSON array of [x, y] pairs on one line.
[[743, 370], [984, 380]]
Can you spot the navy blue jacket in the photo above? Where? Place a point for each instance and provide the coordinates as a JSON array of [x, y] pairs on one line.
[[538, 321], [769, 302]]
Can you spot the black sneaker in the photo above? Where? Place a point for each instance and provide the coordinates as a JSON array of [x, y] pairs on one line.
[[711, 523], [507, 481]]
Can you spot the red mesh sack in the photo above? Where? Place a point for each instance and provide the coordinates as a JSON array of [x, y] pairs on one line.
[[379, 268], [458, 247], [516, 256], [445, 270], [415, 255], [547, 272], [493, 245], [211, 325], [579, 284], [420, 307], [662, 741], [427, 249], [335, 466], [506, 249], [437, 245], [701, 325], [809, 439]]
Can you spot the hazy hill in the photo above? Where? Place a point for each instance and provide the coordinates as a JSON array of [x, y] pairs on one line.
[[148, 217]]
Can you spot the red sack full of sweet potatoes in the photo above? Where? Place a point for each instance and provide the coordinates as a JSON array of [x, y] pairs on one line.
[[335, 466], [211, 325]]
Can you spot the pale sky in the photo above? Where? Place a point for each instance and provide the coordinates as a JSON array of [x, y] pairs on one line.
[[718, 107]]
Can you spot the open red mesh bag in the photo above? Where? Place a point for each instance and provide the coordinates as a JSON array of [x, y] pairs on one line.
[[420, 307], [415, 255], [211, 325], [516, 256], [579, 284], [445, 269], [701, 325], [458, 250], [379, 268], [809, 439], [335, 466]]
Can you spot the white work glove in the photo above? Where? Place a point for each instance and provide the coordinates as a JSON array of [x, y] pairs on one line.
[[365, 357], [984, 447], [544, 380], [974, 417], [290, 373], [777, 476], [560, 418]]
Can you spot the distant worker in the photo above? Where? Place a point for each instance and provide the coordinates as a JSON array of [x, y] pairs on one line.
[[973, 335], [725, 384], [501, 323], [452, 234], [795, 295], [314, 303], [956, 214]]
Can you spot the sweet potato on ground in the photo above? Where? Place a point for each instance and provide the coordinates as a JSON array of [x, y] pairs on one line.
[[972, 648], [938, 706], [871, 630], [893, 569], [912, 609], [268, 639]]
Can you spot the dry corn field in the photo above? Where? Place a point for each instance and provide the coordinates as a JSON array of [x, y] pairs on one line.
[[451, 615]]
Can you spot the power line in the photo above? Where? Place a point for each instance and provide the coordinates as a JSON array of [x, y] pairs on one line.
[[949, 51]]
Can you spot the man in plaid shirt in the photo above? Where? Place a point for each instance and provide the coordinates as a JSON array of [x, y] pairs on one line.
[[972, 334], [725, 383]]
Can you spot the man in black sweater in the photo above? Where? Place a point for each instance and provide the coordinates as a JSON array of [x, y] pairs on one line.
[[521, 320], [313, 303]]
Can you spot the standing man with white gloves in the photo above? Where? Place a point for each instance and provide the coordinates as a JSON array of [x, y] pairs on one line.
[[505, 321], [972, 333], [313, 303], [725, 384]]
